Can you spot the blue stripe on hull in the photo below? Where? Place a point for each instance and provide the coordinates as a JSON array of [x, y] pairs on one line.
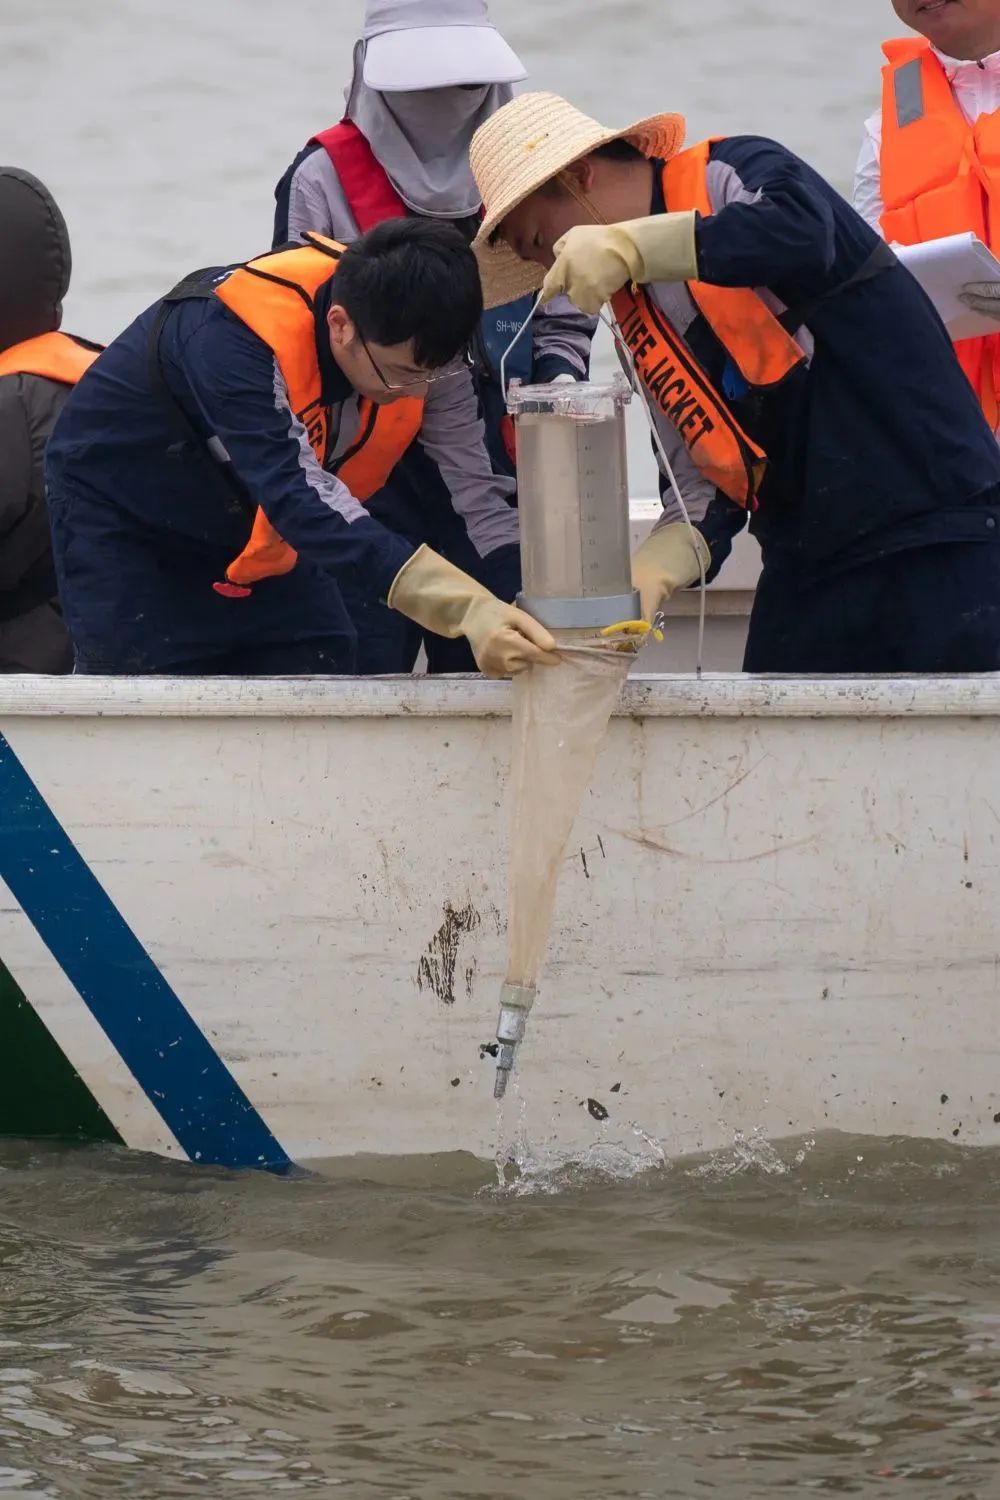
[[169, 1057]]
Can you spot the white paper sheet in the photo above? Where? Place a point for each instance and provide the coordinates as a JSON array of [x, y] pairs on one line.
[[943, 268]]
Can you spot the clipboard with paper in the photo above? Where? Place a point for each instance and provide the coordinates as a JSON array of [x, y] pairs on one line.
[[943, 268]]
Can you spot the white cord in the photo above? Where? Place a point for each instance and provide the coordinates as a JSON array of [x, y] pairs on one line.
[[661, 452], [668, 469], [515, 340]]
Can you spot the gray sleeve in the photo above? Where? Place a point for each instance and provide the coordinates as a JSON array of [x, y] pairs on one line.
[[562, 336], [317, 201], [717, 518], [697, 491], [453, 437], [725, 186]]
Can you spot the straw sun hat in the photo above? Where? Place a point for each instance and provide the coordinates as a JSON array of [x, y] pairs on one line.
[[527, 143]]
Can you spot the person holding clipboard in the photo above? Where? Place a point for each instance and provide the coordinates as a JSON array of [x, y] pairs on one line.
[[929, 167]]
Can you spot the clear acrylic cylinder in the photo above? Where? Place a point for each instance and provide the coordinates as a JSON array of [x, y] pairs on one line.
[[573, 501]]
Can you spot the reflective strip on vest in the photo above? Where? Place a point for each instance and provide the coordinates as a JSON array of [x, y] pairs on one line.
[[908, 87]]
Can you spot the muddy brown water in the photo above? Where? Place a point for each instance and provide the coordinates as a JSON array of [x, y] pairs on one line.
[[818, 1316]]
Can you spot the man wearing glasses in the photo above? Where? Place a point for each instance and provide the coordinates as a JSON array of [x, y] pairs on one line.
[[207, 479]]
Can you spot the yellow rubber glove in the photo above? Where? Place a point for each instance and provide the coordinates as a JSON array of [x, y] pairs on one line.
[[667, 561], [440, 597], [593, 261]]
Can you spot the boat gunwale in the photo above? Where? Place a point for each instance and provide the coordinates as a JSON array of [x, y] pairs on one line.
[[652, 696]]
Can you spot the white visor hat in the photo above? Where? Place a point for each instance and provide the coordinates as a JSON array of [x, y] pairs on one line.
[[435, 44]]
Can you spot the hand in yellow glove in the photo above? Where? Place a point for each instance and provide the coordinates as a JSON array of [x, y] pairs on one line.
[[593, 261], [440, 597], [668, 560]]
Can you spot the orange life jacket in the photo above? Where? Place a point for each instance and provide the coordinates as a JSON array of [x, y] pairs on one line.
[[940, 176], [763, 352], [274, 296], [54, 356]]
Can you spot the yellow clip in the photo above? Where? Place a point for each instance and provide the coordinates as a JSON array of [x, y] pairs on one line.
[[640, 628]]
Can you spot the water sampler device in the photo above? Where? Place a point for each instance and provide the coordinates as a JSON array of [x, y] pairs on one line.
[[575, 555]]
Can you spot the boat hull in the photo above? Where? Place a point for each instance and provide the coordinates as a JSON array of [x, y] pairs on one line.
[[777, 913]]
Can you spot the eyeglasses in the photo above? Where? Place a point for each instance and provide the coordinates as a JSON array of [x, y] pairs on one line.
[[461, 365]]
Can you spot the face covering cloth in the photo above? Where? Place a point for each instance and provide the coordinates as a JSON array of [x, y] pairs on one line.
[[422, 139]]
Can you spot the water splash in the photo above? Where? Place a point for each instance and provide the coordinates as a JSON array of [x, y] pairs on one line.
[[511, 1140], [527, 1168], [751, 1154]]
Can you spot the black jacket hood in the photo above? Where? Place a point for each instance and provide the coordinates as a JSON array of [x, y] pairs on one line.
[[34, 258]]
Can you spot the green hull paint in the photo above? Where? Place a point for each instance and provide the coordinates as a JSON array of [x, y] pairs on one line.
[[40, 1092]]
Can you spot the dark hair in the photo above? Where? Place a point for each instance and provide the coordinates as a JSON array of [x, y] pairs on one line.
[[412, 279], [619, 150]]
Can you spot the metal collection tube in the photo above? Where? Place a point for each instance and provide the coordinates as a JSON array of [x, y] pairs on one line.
[[516, 1001]]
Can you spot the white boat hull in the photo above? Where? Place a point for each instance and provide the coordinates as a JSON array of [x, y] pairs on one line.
[[779, 910]]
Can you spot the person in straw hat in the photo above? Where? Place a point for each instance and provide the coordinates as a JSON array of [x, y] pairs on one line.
[[426, 73], [796, 374]]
